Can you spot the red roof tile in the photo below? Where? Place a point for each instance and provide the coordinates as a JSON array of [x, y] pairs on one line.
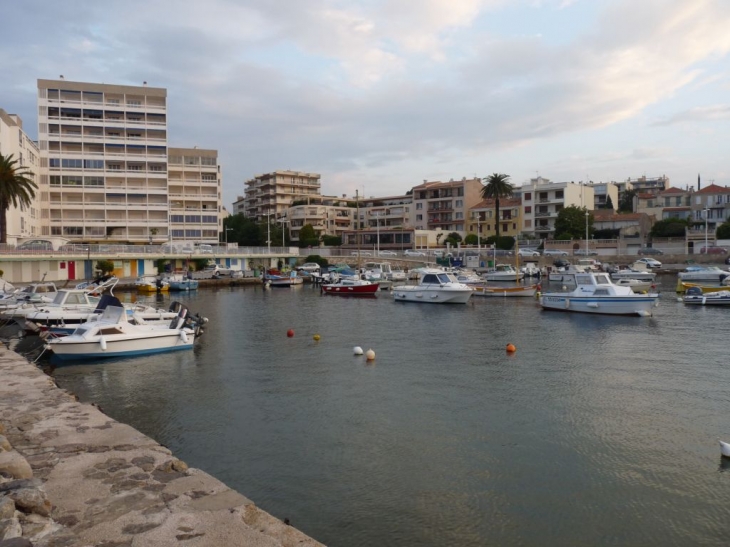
[[714, 189]]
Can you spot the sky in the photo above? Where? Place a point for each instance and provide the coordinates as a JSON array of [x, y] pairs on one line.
[[380, 95]]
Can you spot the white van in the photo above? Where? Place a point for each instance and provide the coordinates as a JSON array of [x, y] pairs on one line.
[[204, 248]]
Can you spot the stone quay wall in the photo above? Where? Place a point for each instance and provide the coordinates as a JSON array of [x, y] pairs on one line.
[[71, 476]]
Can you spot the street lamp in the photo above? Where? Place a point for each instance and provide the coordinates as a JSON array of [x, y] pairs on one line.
[[587, 233], [268, 231], [479, 232], [706, 211], [283, 233]]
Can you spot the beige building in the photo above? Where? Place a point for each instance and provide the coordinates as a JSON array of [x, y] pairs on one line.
[[22, 222], [602, 191], [273, 193], [444, 206], [105, 151], [328, 216], [483, 218], [194, 193], [542, 200]]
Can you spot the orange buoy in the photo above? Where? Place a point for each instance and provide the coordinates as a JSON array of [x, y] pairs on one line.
[[290, 333], [511, 348]]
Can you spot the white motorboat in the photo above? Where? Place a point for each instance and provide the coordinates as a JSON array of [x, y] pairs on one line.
[[43, 292], [694, 295], [637, 270], [565, 274], [467, 277], [724, 449], [704, 273], [531, 269], [595, 293], [112, 335], [635, 285], [505, 292], [434, 287], [503, 272]]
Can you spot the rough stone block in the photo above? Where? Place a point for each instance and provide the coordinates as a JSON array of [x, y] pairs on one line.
[[15, 465], [5, 444]]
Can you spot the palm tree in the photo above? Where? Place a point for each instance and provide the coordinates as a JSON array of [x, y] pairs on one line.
[[497, 186], [16, 188]]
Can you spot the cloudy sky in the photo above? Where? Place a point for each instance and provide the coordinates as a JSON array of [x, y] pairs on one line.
[[378, 95]]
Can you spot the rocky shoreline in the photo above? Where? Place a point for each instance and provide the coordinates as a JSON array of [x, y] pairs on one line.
[[71, 476]]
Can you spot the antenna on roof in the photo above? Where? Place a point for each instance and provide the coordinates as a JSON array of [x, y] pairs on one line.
[[61, 77]]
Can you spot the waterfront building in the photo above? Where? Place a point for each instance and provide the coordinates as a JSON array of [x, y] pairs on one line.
[[194, 193], [22, 222], [602, 191], [710, 207], [543, 199], [271, 194], [328, 215], [483, 218], [444, 206], [676, 203]]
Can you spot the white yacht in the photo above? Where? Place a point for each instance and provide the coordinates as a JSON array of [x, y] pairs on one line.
[[503, 272], [434, 287], [704, 273]]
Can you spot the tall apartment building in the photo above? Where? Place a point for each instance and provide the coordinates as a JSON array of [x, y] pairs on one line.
[[104, 156], [273, 193], [326, 214], [542, 200], [21, 221], [483, 218], [194, 191], [445, 206], [602, 191]]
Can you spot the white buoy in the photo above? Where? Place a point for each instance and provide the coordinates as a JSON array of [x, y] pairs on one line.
[[357, 350], [370, 355]]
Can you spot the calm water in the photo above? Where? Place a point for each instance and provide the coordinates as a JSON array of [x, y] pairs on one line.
[[599, 430]]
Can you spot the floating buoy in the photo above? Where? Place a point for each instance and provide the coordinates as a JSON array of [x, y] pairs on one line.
[[511, 348], [357, 350], [290, 333], [370, 355], [316, 337]]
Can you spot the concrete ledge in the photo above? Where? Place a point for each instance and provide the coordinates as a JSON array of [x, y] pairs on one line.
[[108, 484]]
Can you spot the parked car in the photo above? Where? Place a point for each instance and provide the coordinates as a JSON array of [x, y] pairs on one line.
[[387, 253], [585, 252], [713, 250], [36, 245], [205, 249], [498, 252], [528, 252], [309, 267], [650, 251], [560, 263], [650, 262], [362, 253], [554, 252], [411, 252]]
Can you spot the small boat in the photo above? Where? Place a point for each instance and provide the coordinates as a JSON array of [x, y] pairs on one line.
[[112, 335], [725, 449], [503, 272], [151, 284], [704, 273], [531, 269], [595, 293], [520, 291], [565, 274], [637, 270], [694, 295], [434, 287], [43, 292], [180, 282], [682, 286], [351, 287], [635, 285], [275, 278]]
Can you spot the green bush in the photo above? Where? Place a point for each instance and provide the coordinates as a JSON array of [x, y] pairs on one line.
[[323, 262], [332, 241], [105, 266]]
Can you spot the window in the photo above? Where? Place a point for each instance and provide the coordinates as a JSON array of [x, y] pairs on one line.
[[71, 164], [177, 218], [133, 102], [192, 218], [54, 162], [93, 164], [558, 194], [208, 219], [528, 209], [418, 217], [419, 206], [528, 223], [528, 196], [209, 177], [207, 161], [458, 216], [459, 203], [192, 160]]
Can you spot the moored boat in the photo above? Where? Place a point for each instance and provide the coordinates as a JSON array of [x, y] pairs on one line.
[[595, 293], [518, 291], [694, 295], [503, 272], [704, 273], [275, 278], [151, 284], [636, 285], [434, 287], [351, 287]]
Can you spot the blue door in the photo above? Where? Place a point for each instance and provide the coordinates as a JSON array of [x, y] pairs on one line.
[[140, 268]]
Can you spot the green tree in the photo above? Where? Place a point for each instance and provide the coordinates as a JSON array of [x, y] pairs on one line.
[[626, 203], [502, 242], [453, 239], [609, 203], [244, 231], [669, 227], [497, 186], [332, 241], [723, 231], [307, 236], [323, 262], [471, 239], [16, 188], [572, 221], [105, 266]]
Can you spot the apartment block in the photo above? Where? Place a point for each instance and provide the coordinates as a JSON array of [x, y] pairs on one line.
[[21, 221], [602, 191], [273, 193], [676, 203], [194, 193], [326, 214], [542, 200], [445, 206], [483, 218]]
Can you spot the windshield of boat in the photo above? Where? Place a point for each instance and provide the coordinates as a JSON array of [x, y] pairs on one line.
[[444, 278], [602, 279]]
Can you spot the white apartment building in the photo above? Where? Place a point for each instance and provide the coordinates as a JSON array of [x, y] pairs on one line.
[[194, 192], [542, 200], [105, 150], [273, 193], [602, 191], [21, 221], [326, 214]]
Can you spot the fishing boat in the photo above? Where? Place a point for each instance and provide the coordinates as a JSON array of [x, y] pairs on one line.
[[113, 335], [518, 291], [694, 295], [151, 284], [635, 285], [565, 274], [503, 272], [434, 287], [595, 293], [275, 278]]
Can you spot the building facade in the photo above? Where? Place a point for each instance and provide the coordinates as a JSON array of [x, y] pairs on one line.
[[445, 206], [272, 193], [603, 194], [483, 218], [22, 222], [542, 200]]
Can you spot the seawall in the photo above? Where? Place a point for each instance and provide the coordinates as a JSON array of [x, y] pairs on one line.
[[72, 476]]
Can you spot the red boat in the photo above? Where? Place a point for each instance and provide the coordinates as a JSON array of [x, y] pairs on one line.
[[351, 287]]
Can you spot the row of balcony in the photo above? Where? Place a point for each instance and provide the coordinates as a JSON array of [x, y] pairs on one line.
[[111, 122], [93, 137], [114, 105]]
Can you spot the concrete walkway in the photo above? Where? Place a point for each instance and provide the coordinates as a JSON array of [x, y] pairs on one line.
[[108, 484]]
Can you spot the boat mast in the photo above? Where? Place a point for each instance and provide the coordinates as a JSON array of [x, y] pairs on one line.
[[357, 230]]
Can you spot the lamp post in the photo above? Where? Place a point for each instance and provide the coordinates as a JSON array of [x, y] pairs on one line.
[[479, 232], [283, 233], [268, 232], [587, 234], [706, 211], [377, 230]]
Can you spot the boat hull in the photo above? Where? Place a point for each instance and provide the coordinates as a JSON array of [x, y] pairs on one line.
[[709, 299], [187, 285], [525, 292], [437, 296], [70, 349], [640, 305], [351, 290]]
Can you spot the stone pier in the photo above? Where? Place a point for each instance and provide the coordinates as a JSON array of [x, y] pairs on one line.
[[72, 476]]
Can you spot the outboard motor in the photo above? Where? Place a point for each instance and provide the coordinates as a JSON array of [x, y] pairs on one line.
[[694, 291]]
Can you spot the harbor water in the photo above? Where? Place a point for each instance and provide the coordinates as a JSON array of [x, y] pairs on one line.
[[598, 430]]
